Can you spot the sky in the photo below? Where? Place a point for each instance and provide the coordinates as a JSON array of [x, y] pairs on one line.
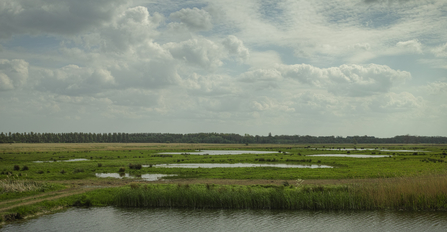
[[320, 68]]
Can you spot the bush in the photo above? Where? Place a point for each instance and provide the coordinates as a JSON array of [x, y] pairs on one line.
[[16, 167], [99, 165], [78, 170], [122, 170], [25, 168], [135, 166], [40, 172], [62, 171]]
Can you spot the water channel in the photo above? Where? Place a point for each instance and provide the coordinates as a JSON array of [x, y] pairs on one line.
[[69, 160], [351, 156], [134, 219], [235, 165], [219, 152]]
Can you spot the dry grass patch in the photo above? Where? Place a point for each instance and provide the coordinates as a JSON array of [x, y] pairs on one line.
[[12, 185]]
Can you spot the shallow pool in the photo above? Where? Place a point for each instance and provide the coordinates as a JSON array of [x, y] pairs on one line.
[[145, 177], [351, 156], [235, 165], [220, 152], [70, 160]]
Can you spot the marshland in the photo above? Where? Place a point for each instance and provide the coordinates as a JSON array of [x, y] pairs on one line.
[[377, 178]]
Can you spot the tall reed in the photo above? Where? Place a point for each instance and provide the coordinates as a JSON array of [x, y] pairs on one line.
[[400, 194]]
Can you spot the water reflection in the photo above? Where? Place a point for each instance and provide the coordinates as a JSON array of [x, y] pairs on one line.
[[129, 219], [69, 160], [370, 149], [145, 177], [220, 152], [352, 156], [235, 165]]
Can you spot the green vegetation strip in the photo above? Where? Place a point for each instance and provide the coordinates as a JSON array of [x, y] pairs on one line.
[[404, 194], [410, 194]]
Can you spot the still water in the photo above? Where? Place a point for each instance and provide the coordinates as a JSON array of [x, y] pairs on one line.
[[145, 177], [220, 152], [352, 156], [69, 160], [127, 219], [235, 165]]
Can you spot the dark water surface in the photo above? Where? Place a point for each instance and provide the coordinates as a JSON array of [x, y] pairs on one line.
[[236, 165], [129, 219], [351, 156]]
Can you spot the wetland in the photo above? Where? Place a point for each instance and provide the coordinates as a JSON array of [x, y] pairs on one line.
[[216, 177]]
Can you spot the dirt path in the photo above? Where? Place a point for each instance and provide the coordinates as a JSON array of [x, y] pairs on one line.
[[41, 197], [35, 196]]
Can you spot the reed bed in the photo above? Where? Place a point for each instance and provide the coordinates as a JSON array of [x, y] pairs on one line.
[[12, 185], [401, 194]]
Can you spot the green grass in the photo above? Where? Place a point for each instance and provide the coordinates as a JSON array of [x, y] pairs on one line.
[[99, 197], [401, 164], [12, 188]]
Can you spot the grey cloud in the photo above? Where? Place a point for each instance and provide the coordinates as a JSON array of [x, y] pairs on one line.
[[384, 1], [132, 28], [262, 75], [73, 80], [348, 80], [194, 19], [210, 85], [395, 102], [63, 17], [236, 47], [440, 51], [356, 80], [410, 46], [13, 73], [199, 52]]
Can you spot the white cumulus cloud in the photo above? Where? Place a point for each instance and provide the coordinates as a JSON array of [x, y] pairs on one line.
[[194, 19], [13, 73]]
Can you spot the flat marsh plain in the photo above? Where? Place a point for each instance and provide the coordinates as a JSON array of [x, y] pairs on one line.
[[400, 181]]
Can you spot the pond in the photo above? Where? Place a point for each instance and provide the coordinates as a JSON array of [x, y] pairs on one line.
[[351, 156], [135, 219], [69, 160], [370, 149], [235, 165], [145, 177], [220, 152]]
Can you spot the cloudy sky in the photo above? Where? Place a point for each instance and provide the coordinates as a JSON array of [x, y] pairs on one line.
[[347, 67]]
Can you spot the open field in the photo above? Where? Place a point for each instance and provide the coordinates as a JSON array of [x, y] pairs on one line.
[[109, 158], [54, 173]]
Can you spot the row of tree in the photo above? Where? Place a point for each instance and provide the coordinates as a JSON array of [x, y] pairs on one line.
[[204, 138]]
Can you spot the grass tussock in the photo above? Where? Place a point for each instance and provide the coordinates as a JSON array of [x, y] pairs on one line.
[[402, 194], [12, 185]]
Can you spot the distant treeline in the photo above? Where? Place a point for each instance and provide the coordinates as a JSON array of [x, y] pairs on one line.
[[204, 138]]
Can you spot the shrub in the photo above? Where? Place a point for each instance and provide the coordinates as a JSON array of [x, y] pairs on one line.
[[62, 171], [16, 167], [24, 168], [99, 165], [135, 166], [134, 185], [40, 172], [78, 170], [122, 170]]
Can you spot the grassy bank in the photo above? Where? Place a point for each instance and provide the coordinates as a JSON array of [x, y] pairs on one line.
[[98, 197], [409, 194], [429, 193]]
